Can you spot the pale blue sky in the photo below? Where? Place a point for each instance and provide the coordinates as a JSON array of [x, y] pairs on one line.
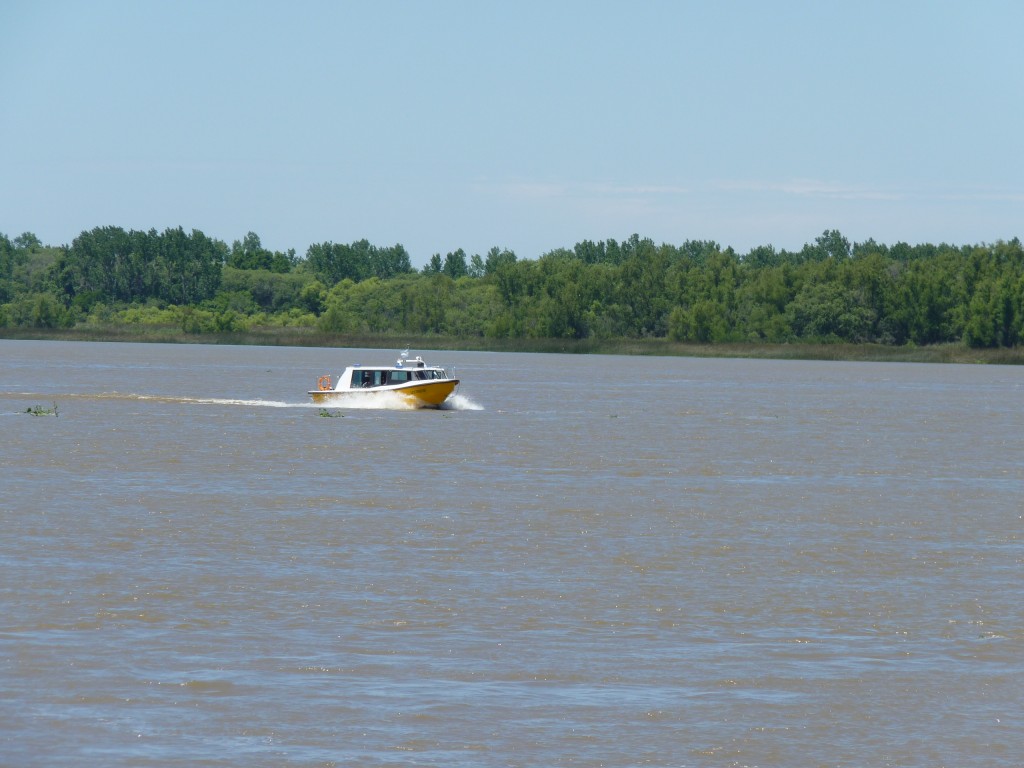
[[525, 125]]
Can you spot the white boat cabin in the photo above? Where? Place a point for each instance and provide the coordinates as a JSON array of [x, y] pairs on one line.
[[362, 378]]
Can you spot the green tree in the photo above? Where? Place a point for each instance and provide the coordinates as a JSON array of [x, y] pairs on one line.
[[115, 265], [38, 310], [829, 245], [763, 256], [435, 266], [192, 265], [761, 300], [994, 314], [333, 262], [698, 252], [455, 265], [270, 291], [390, 262], [6, 268], [641, 286], [496, 257], [250, 254], [427, 302], [27, 241], [562, 307], [313, 297], [829, 312]]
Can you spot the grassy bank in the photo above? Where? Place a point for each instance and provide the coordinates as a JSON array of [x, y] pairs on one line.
[[307, 337]]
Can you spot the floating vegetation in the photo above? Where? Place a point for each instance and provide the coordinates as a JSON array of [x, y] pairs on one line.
[[328, 415], [39, 410]]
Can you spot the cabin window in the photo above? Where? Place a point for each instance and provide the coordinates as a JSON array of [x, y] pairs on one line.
[[397, 377], [363, 379]]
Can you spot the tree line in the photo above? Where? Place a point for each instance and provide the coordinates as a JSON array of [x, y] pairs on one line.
[[831, 290]]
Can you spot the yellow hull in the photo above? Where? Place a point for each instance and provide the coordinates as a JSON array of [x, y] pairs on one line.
[[419, 394]]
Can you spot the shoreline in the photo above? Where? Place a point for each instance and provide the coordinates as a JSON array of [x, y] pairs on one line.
[[300, 337]]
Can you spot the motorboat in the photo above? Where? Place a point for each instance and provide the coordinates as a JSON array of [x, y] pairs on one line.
[[411, 382]]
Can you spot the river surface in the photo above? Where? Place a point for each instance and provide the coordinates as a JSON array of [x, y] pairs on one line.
[[586, 561]]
